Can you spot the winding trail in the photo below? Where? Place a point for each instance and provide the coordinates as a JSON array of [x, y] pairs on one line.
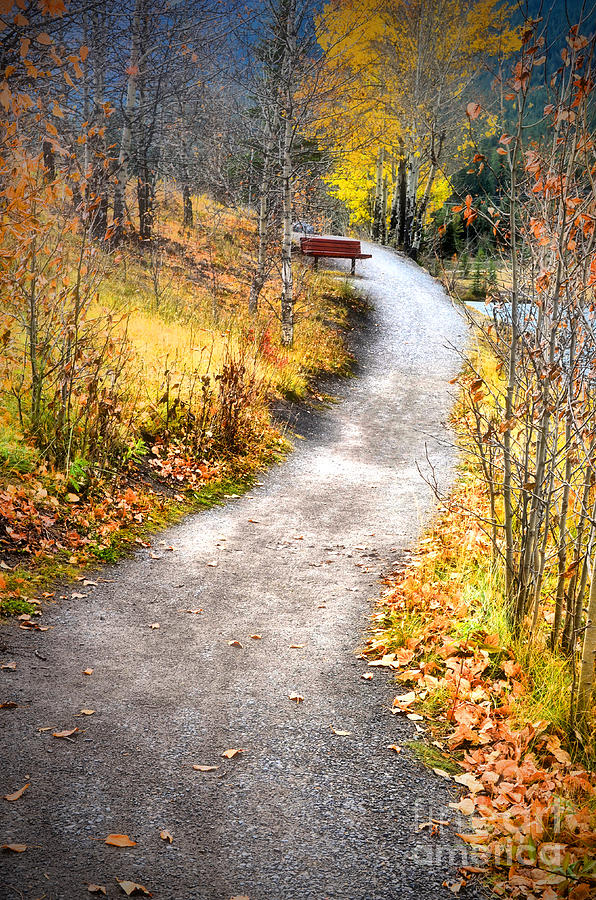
[[305, 812]]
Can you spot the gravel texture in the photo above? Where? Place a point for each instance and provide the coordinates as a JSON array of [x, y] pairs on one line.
[[304, 812]]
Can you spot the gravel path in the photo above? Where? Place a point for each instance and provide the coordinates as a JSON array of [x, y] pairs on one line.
[[305, 812]]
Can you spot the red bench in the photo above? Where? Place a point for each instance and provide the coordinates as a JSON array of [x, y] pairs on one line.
[[333, 247]]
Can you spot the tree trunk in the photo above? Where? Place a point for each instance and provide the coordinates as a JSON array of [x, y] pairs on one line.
[[289, 55], [287, 297], [126, 141], [378, 201], [187, 214], [260, 276], [586, 675]]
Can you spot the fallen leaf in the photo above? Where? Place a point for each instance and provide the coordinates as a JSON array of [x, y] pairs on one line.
[[72, 498], [256, 637], [468, 780], [240, 897], [213, 563], [195, 612], [442, 774], [166, 836], [76, 596], [465, 806], [456, 886], [205, 768], [234, 644], [86, 712], [395, 747], [17, 794], [9, 665], [367, 676], [119, 840], [131, 887], [296, 646], [65, 734], [154, 625], [10, 704], [339, 732], [97, 889], [87, 671], [88, 583], [230, 754], [298, 698], [414, 717], [14, 848]]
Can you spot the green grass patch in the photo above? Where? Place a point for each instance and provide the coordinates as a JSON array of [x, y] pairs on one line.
[[432, 757]]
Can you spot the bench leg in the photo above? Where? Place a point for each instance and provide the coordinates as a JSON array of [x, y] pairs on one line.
[[353, 267]]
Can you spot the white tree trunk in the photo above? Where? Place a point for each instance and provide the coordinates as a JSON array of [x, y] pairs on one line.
[[586, 675], [289, 59]]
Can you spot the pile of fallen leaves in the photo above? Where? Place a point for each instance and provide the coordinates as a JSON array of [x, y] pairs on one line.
[[43, 516], [532, 808]]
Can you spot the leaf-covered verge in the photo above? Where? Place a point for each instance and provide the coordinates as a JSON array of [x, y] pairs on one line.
[[494, 706], [192, 425]]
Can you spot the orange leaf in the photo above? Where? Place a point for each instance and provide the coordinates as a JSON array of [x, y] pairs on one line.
[[64, 734], [44, 39], [230, 754], [131, 887], [119, 840], [473, 110], [17, 794]]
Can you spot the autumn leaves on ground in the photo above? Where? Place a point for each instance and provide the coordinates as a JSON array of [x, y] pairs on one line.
[[187, 415], [154, 163]]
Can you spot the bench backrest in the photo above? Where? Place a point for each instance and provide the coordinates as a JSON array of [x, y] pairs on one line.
[[329, 244]]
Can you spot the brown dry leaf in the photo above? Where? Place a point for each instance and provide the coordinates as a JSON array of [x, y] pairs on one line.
[[414, 717], [86, 712], [456, 886], [367, 676], [395, 747], [240, 897], [17, 794], [234, 643], [14, 848], [205, 768], [296, 646], [154, 625], [442, 774], [256, 637], [230, 754], [213, 563], [97, 889], [166, 836], [468, 780], [9, 665], [465, 806], [339, 732], [87, 671], [131, 887], [119, 840], [297, 698], [65, 734], [10, 704]]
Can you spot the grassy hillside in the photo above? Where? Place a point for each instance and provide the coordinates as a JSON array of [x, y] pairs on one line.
[[177, 412]]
